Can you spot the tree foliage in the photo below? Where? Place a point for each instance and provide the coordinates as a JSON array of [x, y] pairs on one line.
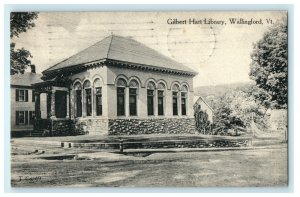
[[203, 125], [20, 58], [233, 111], [21, 21], [269, 66]]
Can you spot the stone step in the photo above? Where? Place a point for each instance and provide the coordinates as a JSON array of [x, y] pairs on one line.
[[36, 133], [192, 143]]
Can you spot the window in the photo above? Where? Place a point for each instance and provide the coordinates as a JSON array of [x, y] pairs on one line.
[[132, 102], [121, 101], [78, 98], [150, 98], [160, 99], [175, 90], [21, 95], [99, 101], [24, 117], [133, 91], [150, 102], [21, 117], [88, 97], [98, 97], [121, 85], [183, 103], [175, 104], [160, 102], [184, 91], [78, 103]]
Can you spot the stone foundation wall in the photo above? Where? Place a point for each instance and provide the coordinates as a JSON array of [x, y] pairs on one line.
[[53, 127], [122, 126], [151, 126], [93, 126], [61, 127]]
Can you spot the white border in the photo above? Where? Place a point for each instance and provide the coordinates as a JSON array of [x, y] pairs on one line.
[[296, 78]]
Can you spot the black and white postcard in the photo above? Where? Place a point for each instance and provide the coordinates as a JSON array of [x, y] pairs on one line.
[[149, 99]]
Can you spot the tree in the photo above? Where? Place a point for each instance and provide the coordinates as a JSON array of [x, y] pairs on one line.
[[269, 66], [203, 125], [20, 58], [233, 111]]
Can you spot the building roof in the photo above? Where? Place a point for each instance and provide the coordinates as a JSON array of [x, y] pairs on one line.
[[25, 79], [197, 98], [122, 49]]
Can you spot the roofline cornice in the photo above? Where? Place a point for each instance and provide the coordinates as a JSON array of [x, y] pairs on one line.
[[112, 62], [150, 68]]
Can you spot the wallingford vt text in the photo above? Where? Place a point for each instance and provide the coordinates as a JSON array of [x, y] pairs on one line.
[[210, 21]]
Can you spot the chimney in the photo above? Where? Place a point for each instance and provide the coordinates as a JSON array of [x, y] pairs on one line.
[[32, 68]]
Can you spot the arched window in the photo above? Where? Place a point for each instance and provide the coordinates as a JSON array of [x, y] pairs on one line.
[[160, 98], [97, 83], [121, 85], [98, 96], [184, 91], [78, 99], [175, 91], [88, 97], [86, 84], [133, 91], [77, 86], [150, 98]]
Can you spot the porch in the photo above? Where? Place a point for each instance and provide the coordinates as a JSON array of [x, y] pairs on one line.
[[56, 121]]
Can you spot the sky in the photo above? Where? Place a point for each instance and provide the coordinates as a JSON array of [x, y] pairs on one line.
[[220, 53]]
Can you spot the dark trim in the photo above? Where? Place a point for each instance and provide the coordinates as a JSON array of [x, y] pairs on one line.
[[32, 96], [30, 118], [17, 95], [26, 95], [145, 67], [26, 117], [70, 70], [22, 86]]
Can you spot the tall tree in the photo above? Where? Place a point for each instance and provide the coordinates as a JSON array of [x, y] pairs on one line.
[[20, 58], [269, 66]]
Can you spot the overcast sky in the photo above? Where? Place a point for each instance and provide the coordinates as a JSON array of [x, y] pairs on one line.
[[220, 53]]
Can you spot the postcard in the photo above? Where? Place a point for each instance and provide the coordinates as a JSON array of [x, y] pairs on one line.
[[149, 99]]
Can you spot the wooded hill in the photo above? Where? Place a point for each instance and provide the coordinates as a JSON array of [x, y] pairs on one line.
[[219, 90]]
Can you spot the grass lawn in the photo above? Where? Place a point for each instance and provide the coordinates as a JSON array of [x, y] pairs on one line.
[[259, 167]]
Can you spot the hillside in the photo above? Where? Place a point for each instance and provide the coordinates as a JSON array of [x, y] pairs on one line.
[[218, 90]]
